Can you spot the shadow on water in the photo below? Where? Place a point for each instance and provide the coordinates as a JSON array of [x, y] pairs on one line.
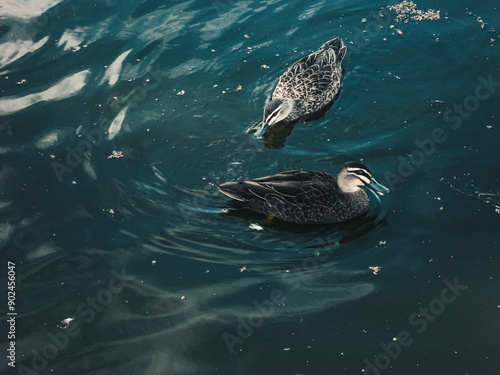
[[276, 136], [218, 230]]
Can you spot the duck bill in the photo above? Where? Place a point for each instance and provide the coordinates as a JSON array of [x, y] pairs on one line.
[[375, 186], [263, 130]]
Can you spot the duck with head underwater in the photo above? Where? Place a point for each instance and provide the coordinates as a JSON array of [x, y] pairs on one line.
[[308, 86], [308, 197]]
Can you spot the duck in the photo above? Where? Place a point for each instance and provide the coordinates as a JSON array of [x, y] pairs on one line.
[[308, 197], [310, 84]]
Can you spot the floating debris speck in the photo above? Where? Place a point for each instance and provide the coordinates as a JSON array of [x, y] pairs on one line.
[[116, 155], [182, 92], [481, 22], [255, 226], [375, 269], [393, 75], [243, 269], [408, 10], [264, 66], [65, 323]]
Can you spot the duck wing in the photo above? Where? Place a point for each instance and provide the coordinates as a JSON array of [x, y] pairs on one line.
[[294, 175], [294, 196]]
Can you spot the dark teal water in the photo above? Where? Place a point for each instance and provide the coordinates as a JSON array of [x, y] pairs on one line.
[[134, 250]]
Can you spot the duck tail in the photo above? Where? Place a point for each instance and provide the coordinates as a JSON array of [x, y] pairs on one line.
[[338, 46]]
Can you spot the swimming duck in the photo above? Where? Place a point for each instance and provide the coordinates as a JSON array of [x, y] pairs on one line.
[[308, 197], [310, 84]]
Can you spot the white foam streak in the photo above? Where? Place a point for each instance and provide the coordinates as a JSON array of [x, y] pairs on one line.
[[25, 9], [12, 51], [65, 88], [114, 70], [116, 125]]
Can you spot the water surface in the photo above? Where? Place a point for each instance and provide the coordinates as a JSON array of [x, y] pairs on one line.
[[119, 120]]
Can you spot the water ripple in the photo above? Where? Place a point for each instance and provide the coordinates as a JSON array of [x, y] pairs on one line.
[[26, 9]]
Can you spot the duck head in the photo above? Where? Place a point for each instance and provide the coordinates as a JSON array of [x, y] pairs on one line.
[[353, 175], [277, 110]]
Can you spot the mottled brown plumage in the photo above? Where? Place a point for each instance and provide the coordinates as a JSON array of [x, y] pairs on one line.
[[308, 85]]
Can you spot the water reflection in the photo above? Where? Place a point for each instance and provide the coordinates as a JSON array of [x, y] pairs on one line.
[[276, 136]]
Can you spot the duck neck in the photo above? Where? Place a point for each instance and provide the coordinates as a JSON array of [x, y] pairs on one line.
[[348, 189], [346, 183]]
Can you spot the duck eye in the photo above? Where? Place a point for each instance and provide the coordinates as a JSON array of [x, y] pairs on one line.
[[364, 178]]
